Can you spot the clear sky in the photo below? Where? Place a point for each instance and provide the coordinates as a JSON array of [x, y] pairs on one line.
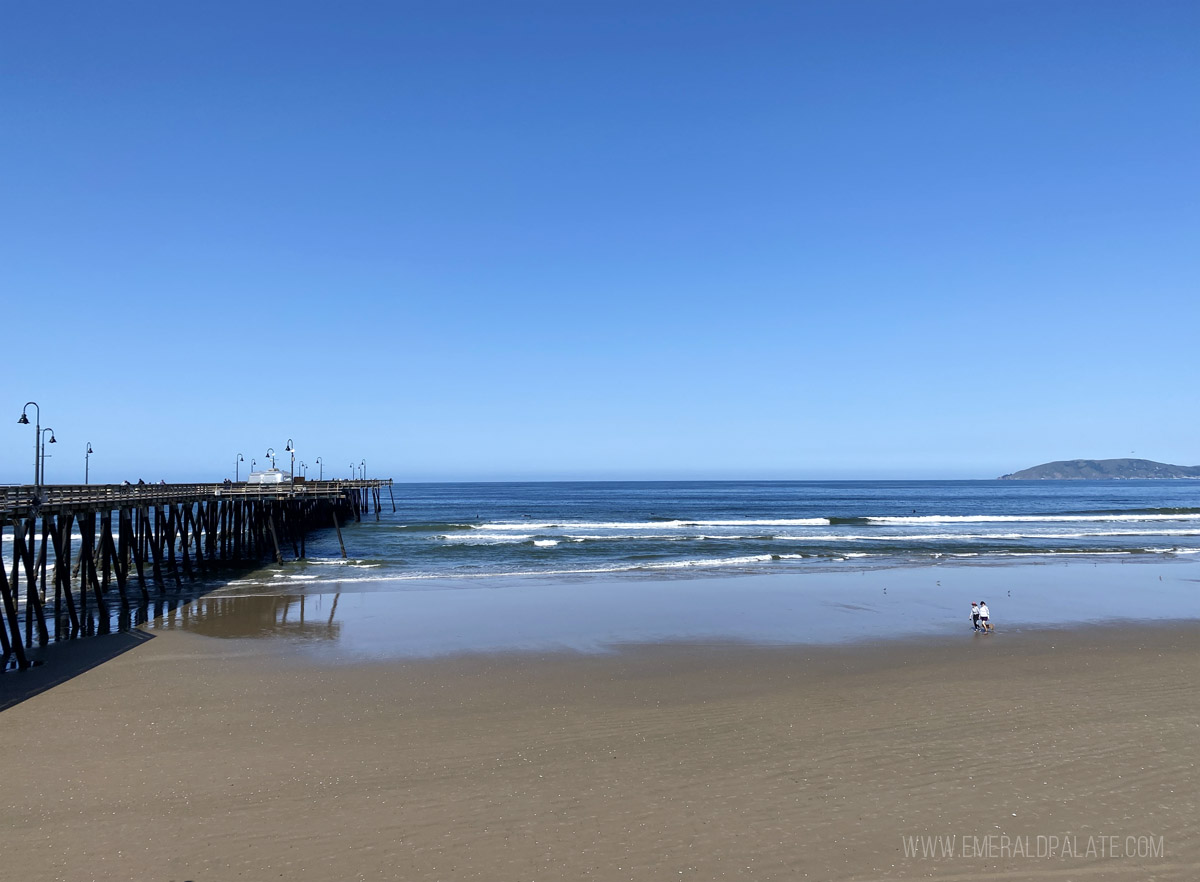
[[513, 240]]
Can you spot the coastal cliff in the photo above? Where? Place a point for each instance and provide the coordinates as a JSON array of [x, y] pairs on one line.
[[1103, 470]]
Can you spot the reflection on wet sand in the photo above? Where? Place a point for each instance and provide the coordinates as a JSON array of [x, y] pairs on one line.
[[294, 616], [457, 616]]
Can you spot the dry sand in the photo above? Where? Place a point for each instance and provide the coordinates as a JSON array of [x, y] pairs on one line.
[[189, 758]]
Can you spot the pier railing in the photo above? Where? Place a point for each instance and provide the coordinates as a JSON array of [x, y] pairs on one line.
[[20, 500]]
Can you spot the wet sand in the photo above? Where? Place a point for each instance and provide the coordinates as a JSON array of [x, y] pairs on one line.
[[189, 757], [425, 618]]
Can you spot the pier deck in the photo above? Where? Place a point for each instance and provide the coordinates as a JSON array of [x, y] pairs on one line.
[[21, 500]]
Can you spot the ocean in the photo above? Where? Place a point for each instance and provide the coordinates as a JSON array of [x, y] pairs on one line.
[[667, 529]]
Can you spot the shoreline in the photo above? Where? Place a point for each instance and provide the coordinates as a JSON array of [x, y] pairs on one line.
[[293, 581], [849, 607], [430, 619], [724, 569]]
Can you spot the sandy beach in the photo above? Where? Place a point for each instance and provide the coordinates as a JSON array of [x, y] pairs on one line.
[[564, 441], [193, 758]]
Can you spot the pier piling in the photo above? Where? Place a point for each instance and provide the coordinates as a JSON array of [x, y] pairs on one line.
[[176, 532]]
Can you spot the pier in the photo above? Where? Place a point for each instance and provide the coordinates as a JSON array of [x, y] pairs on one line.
[[138, 542]]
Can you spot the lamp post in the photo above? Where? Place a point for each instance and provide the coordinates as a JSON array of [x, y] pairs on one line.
[[304, 470], [352, 471], [53, 440], [291, 448], [271, 453], [253, 463], [86, 463], [321, 476], [364, 469], [236, 467], [37, 437]]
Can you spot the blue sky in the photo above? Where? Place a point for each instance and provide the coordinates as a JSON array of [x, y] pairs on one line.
[[513, 240]]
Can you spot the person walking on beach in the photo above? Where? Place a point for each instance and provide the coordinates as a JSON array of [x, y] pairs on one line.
[[975, 616], [985, 615]]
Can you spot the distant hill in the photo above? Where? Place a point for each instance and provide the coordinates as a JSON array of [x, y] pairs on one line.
[[1102, 470]]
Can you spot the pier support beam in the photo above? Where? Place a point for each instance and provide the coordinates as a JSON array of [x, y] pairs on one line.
[[338, 527], [11, 643], [274, 538], [222, 526]]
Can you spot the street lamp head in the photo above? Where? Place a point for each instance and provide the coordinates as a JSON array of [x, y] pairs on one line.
[[24, 420], [89, 450], [270, 451], [288, 448], [53, 440]]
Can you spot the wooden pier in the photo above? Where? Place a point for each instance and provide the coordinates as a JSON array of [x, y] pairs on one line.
[[138, 541]]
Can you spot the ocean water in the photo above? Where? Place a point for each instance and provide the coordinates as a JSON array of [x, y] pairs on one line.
[[590, 567], [663, 530]]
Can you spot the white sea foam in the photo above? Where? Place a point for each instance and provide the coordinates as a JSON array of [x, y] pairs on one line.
[[968, 535], [482, 538], [779, 522], [322, 581], [984, 519], [640, 537], [515, 538], [824, 536], [545, 543], [679, 524], [414, 576], [1046, 554], [719, 562], [339, 562], [526, 526]]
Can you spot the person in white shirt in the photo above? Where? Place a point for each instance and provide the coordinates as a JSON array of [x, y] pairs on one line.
[[985, 615], [975, 615]]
